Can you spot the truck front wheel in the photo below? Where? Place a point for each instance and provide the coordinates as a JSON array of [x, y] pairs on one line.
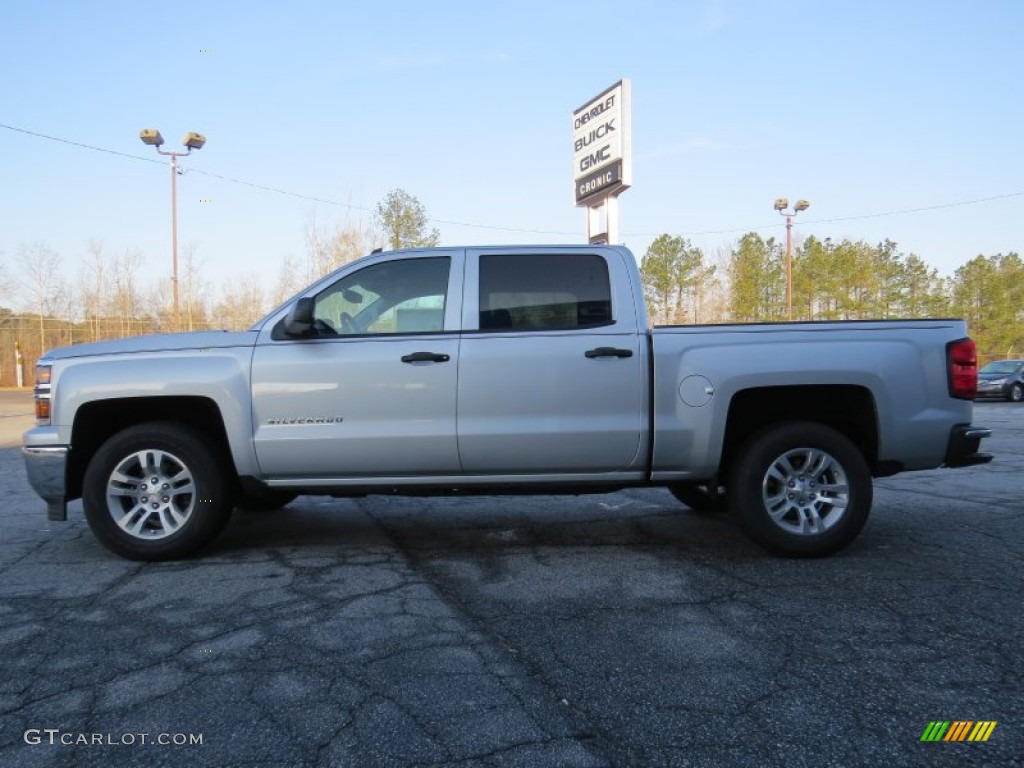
[[801, 489], [156, 491]]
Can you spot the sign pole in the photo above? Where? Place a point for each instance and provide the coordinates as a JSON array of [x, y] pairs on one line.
[[611, 205]]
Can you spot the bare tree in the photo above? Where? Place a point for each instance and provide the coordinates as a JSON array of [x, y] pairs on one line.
[[95, 287], [314, 249], [325, 252], [126, 292], [328, 250], [295, 271], [241, 303], [714, 299], [5, 279], [67, 299], [194, 289], [290, 279], [10, 346], [39, 268], [348, 243]]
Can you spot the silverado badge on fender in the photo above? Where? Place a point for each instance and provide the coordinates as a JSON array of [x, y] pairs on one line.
[[306, 420]]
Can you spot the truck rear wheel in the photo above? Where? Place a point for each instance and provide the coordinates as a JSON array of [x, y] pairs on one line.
[[801, 489], [156, 491]]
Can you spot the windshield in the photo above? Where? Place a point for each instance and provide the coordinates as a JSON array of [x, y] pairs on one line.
[[1002, 366]]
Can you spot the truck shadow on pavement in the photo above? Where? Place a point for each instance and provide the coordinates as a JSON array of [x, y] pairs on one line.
[[489, 526]]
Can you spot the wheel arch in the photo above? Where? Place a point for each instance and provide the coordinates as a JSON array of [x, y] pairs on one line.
[[848, 409], [99, 420]]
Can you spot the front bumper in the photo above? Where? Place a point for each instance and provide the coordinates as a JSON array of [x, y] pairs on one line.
[[46, 466], [962, 448]]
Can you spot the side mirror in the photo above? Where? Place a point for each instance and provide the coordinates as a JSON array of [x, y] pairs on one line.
[[299, 321]]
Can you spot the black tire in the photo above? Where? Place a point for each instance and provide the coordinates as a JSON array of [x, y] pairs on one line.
[[697, 498], [165, 484], [802, 519], [1016, 393], [263, 500]]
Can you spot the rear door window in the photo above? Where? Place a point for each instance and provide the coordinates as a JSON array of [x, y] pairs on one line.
[[537, 292]]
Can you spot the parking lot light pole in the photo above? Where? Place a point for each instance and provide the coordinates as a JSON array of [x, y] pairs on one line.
[[781, 205], [192, 140]]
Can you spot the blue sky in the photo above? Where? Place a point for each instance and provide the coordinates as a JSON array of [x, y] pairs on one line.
[[860, 107]]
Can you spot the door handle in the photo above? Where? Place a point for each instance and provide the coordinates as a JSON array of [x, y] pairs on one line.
[[608, 352], [425, 357]]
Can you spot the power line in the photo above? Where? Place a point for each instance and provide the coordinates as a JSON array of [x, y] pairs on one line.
[[367, 210], [267, 188], [916, 210], [859, 217], [80, 144], [326, 201]]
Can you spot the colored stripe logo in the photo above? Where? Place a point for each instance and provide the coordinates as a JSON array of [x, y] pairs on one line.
[[958, 730]]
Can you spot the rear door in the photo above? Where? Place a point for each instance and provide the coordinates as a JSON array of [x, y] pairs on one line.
[[551, 371]]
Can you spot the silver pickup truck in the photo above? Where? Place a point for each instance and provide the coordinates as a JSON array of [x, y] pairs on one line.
[[497, 370]]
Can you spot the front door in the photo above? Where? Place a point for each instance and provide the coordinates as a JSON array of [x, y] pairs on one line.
[[370, 391]]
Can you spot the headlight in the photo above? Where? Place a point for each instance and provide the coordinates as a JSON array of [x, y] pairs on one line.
[[44, 373], [997, 382]]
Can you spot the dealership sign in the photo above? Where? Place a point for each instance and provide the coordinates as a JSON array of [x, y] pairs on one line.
[[601, 145]]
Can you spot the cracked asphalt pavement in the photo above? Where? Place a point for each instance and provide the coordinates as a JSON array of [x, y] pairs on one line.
[[611, 630]]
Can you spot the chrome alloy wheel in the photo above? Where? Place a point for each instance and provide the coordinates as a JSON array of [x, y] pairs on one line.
[[151, 494], [805, 491]]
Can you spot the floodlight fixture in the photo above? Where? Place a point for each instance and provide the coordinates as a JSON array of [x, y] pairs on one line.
[[194, 140], [781, 204], [151, 136]]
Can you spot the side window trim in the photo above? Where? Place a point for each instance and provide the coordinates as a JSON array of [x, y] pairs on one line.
[[347, 325], [572, 292], [452, 298]]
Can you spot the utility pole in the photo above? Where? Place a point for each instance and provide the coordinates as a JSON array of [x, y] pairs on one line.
[[781, 205], [192, 140]]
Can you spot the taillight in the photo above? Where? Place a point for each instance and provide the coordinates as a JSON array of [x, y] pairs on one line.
[[962, 362]]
